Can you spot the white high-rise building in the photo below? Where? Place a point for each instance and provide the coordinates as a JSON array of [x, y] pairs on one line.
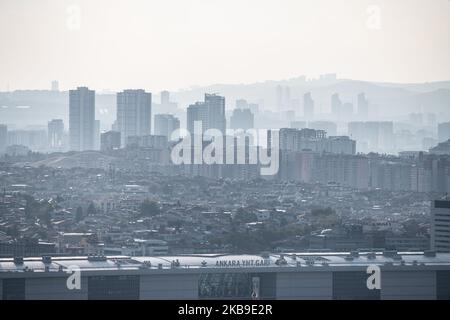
[[81, 119], [440, 226], [134, 114]]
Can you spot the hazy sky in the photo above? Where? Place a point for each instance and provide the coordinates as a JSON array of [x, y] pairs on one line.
[[172, 44]]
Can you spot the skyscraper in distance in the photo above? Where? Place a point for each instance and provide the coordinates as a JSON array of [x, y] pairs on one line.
[[166, 124], [3, 137], [55, 131], [254, 108], [279, 97], [166, 106], [134, 113], [308, 106], [241, 104], [211, 113], [97, 135], [81, 119], [216, 111], [287, 97], [363, 106], [336, 106], [242, 119], [386, 135], [283, 97], [165, 97], [357, 131], [443, 131], [197, 112]]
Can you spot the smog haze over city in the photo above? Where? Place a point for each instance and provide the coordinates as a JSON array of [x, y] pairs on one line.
[[212, 149]]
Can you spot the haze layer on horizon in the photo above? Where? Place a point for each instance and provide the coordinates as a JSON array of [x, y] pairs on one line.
[[173, 44]]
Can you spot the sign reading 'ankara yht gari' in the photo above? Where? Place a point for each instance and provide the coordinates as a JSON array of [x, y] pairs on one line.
[[243, 263]]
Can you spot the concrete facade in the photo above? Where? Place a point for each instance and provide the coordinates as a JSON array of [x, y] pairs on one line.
[[297, 276], [307, 285]]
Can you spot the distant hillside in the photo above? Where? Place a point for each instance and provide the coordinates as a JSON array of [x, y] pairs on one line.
[[419, 87], [87, 159], [386, 99]]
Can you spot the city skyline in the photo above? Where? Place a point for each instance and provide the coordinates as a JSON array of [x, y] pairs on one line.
[[134, 117]]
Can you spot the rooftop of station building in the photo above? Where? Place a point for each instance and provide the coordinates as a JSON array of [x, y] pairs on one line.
[[219, 261]]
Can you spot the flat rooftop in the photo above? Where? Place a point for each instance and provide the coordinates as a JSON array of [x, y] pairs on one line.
[[221, 261]]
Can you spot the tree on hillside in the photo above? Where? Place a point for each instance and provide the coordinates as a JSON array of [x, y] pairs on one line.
[[79, 214], [149, 208], [244, 216], [91, 209], [322, 212]]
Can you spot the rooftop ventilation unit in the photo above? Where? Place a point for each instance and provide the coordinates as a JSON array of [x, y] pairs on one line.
[[430, 253], [310, 262], [175, 263], [94, 257], [397, 257], [281, 261], [371, 255], [390, 253], [18, 260]]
